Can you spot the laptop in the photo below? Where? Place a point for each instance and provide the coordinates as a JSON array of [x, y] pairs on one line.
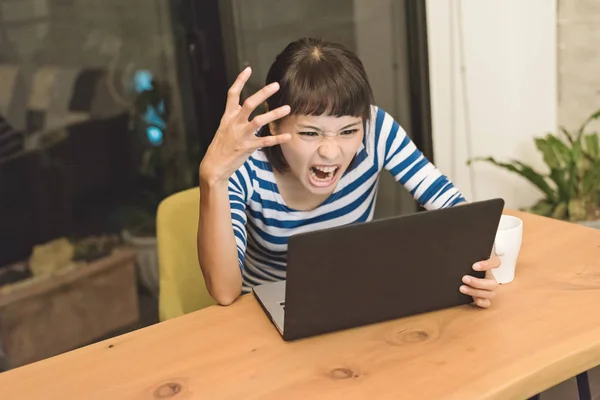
[[365, 273]]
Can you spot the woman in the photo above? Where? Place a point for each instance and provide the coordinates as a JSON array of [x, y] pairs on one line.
[[314, 164]]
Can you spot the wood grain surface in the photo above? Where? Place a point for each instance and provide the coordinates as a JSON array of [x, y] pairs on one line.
[[543, 328]]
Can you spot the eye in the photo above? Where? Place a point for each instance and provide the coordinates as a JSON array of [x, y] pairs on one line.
[[349, 132], [308, 133]]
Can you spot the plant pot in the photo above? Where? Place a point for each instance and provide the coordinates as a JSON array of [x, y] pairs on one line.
[[592, 224], [72, 307], [146, 261]]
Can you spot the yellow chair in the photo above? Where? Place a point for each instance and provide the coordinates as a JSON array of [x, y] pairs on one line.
[[182, 289]]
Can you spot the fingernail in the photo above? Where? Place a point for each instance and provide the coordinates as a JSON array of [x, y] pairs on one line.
[[477, 267], [467, 280], [464, 289]]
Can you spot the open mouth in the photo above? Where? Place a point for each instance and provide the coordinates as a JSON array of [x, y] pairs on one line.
[[322, 175]]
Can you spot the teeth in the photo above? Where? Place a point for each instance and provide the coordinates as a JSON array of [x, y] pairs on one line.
[[316, 178], [326, 169], [330, 171]]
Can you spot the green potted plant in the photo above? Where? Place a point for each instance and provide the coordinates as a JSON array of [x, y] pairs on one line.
[[571, 186], [163, 168]]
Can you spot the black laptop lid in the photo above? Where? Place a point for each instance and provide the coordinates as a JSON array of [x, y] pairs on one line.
[[360, 274]]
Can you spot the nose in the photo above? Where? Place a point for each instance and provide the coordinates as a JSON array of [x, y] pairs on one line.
[[328, 150]]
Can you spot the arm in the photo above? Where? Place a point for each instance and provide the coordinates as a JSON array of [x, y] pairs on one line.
[[222, 198], [217, 243], [410, 167], [431, 189]]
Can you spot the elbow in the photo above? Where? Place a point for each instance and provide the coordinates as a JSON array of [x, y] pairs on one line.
[[225, 300], [224, 296], [224, 285]]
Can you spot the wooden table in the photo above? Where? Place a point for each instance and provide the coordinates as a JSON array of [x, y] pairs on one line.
[[543, 329]]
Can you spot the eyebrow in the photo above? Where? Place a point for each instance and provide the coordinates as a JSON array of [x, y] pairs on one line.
[[319, 129]]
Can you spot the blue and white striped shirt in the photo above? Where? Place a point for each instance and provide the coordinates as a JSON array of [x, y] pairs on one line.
[[262, 222]]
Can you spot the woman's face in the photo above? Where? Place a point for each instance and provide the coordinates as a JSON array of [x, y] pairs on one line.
[[321, 148]]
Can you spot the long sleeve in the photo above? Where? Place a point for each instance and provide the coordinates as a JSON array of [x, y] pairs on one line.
[[398, 154], [240, 188]]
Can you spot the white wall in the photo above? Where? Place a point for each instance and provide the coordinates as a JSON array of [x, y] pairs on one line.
[[510, 75], [578, 62]]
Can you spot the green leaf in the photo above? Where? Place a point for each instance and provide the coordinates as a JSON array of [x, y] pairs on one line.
[[567, 135], [576, 151], [550, 157], [556, 154], [577, 209], [562, 184], [591, 118], [526, 172], [561, 149], [590, 185], [560, 212], [578, 160], [537, 179], [591, 145], [543, 207]]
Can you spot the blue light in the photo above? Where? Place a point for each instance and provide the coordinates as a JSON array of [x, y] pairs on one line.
[[142, 80], [155, 135], [153, 118]]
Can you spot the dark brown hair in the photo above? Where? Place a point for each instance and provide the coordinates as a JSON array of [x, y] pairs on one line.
[[317, 78]]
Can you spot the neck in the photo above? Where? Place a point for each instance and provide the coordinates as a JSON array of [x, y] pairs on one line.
[[294, 193]]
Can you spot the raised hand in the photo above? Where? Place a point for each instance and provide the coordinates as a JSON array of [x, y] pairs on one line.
[[235, 139]]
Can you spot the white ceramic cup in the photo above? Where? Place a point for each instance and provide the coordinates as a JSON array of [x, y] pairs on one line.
[[507, 245]]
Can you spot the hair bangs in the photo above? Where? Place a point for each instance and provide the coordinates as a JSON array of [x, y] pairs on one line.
[[323, 88], [317, 78]]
